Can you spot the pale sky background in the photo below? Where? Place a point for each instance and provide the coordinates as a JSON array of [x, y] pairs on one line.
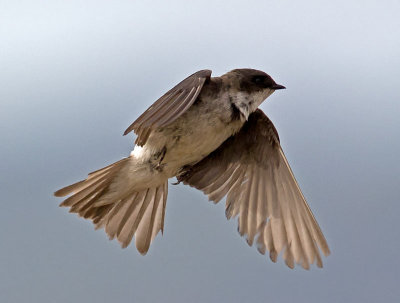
[[75, 74]]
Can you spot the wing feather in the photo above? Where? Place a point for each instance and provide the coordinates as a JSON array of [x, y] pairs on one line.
[[261, 190], [169, 107]]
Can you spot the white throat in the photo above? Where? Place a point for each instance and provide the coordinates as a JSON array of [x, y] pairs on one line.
[[249, 103]]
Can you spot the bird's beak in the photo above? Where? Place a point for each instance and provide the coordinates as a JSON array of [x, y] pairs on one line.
[[278, 86]]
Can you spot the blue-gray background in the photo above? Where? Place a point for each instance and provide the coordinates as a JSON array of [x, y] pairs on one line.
[[75, 74]]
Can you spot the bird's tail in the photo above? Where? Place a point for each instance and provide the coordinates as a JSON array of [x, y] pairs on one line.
[[111, 200]]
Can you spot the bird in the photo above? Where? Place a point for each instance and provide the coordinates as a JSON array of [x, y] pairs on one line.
[[208, 133]]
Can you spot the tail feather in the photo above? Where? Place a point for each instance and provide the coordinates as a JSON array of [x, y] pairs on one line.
[[95, 214], [130, 221], [102, 173], [152, 221], [91, 189], [82, 207], [114, 218], [122, 214]]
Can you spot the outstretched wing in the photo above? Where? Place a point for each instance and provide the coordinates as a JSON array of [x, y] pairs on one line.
[[169, 107], [252, 170]]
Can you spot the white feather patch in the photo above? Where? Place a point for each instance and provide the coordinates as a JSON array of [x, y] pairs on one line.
[[138, 152]]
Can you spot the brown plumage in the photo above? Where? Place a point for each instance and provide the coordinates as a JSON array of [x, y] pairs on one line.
[[262, 191], [208, 133]]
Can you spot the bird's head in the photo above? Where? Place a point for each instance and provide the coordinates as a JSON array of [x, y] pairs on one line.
[[249, 88]]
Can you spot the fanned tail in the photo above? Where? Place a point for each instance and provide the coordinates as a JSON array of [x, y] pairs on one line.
[[122, 212], [140, 214]]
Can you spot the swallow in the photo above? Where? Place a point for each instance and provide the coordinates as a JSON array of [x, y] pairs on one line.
[[208, 133]]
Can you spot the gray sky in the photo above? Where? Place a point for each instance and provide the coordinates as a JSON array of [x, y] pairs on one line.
[[75, 74]]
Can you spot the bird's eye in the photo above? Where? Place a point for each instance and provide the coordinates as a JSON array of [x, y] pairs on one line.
[[258, 80]]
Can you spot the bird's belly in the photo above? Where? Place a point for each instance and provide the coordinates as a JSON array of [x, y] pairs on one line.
[[193, 147], [190, 138], [193, 144]]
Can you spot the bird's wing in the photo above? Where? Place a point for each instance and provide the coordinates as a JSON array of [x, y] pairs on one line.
[[169, 107], [251, 169]]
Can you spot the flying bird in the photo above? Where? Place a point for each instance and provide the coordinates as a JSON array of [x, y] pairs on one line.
[[208, 133]]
